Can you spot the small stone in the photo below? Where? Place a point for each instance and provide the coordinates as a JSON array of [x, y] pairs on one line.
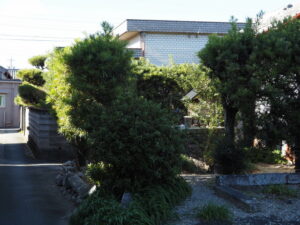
[[126, 199]]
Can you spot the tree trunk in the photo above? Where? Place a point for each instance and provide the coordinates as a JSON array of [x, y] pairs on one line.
[[297, 154], [249, 124], [230, 114]]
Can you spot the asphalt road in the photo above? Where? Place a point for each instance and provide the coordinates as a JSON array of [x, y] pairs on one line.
[[28, 195]]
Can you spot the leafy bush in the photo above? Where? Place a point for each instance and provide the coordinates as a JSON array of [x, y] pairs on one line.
[[137, 142], [150, 206], [30, 95], [230, 159], [38, 61], [215, 213], [201, 143], [265, 155], [280, 190], [169, 84], [85, 78], [33, 76]]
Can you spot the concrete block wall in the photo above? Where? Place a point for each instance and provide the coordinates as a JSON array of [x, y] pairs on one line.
[[43, 137], [182, 48]]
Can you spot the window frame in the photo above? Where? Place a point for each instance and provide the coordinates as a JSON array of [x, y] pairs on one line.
[[3, 101]]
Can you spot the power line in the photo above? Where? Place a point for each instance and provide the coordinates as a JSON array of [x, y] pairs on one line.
[[37, 40], [33, 36], [50, 19], [42, 27]]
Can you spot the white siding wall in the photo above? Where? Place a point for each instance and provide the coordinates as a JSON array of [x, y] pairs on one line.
[[135, 42], [181, 48]]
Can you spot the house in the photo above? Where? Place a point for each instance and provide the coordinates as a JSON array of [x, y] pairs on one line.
[[9, 111], [291, 10], [160, 41]]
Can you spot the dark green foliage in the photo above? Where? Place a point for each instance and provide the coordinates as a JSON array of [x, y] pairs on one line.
[[201, 143], [138, 144], [230, 159], [169, 84], [38, 61], [278, 64], [85, 78], [33, 76], [150, 206], [228, 60], [215, 213], [163, 90], [264, 155], [30, 95]]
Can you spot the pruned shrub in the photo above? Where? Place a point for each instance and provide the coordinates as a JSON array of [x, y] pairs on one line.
[[33, 76], [85, 78], [30, 95], [38, 61], [136, 138]]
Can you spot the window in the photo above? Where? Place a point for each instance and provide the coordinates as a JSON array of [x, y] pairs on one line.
[[2, 100]]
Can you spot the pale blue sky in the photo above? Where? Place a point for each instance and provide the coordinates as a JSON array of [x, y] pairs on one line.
[[31, 27]]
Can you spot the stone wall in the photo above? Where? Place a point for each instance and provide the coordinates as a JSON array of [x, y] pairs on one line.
[[43, 138]]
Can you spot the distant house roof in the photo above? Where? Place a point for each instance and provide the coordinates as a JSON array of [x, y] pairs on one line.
[[2, 69], [132, 26], [292, 10]]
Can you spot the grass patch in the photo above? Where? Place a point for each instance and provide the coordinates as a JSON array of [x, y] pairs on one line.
[[215, 213], [280, 190]]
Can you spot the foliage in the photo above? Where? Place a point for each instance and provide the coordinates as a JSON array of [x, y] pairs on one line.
[[230, 159], [215, 213], [33, 76], [150, 206], [38, 61], [264, 155], [30, 95], [201, 143], [188, 165], [278, 64], [86, 77], [138, 144], [153, 84], [168, 84], [280, 190], [228, 60]]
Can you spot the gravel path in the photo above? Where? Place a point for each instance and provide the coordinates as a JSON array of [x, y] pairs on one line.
[[273, 211]]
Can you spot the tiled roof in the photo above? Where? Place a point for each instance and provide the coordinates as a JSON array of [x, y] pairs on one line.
[[172, 26]]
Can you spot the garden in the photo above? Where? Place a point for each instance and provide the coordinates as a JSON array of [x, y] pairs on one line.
[[122, 116]]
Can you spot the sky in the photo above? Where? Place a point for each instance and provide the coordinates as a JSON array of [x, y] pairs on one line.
[[33, 27]]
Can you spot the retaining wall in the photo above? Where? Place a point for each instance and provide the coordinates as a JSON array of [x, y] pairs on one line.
[[43, 138]]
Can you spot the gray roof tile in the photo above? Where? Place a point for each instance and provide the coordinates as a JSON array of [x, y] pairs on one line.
[[170, 26]]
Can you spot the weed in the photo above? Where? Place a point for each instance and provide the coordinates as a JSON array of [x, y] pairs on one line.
[[212, 212]]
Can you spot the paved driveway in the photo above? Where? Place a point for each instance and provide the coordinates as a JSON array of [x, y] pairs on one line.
[[28, 195]]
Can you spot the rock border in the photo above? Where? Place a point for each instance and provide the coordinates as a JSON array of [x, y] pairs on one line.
[[258, 179]]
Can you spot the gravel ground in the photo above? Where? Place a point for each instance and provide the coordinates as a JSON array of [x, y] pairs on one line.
[[273, 211]]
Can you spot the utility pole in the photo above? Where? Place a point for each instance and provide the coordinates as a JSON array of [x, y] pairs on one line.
[[11, 63]]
